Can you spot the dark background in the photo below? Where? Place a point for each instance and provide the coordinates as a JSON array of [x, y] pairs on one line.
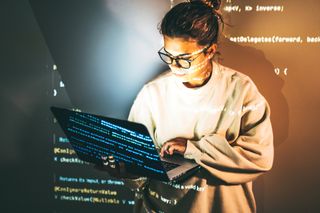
[[106, 50]]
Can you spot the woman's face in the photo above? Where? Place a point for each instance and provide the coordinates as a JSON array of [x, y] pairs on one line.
[[199, 67]]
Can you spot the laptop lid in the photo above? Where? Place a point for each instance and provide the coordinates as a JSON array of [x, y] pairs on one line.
[[93, 136]]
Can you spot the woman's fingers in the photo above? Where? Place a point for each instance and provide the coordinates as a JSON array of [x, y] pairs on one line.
[[172, 147], [110, 165], [165, 148], [114, 168], [105, 161], [112, 162]]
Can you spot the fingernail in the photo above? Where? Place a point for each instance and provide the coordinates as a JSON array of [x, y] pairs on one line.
[[111, 159]]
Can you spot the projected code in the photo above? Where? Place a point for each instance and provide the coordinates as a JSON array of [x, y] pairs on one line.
[[76, 184], [273, 39], [257, 8], [231, 6], [265, 9], [81, 189]]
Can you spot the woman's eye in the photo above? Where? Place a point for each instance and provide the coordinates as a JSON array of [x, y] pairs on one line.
[[185, 58]]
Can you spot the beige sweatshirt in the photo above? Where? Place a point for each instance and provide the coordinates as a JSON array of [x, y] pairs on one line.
[[227, 122]]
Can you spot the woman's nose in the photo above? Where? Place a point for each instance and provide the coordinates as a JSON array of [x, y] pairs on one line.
[[176, 64]]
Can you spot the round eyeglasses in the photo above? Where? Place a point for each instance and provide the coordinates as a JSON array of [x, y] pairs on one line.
[[182, 60]]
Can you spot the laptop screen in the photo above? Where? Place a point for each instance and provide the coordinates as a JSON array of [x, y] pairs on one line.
[[93, 136]]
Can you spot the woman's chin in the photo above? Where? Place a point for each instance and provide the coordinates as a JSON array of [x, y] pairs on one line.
[[181, 77]]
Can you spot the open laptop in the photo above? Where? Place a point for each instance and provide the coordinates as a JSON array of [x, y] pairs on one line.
[[94, 136]]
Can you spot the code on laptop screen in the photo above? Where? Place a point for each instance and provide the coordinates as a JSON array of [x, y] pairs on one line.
[[95, 136]]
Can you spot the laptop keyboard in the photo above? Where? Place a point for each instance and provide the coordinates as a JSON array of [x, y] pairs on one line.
[[169, 166]]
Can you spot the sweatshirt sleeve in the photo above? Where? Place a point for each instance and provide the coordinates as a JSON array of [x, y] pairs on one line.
[[246, 157], [140, 112]]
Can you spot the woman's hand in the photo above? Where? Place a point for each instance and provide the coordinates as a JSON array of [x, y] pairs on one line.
[[114, 169], [176, 145]]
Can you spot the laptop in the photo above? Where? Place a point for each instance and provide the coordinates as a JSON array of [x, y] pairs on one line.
[[94, 136]]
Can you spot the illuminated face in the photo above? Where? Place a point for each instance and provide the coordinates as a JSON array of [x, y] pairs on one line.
[[190, 50]]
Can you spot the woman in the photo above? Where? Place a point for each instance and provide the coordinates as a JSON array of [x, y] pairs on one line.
[[206, 112]]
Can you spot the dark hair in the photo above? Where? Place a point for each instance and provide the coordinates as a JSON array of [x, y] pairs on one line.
[[195, 19]]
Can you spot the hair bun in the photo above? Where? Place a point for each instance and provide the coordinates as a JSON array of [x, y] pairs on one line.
[[214, 4]]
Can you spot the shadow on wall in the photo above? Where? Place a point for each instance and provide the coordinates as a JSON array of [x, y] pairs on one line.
[[253, 63]]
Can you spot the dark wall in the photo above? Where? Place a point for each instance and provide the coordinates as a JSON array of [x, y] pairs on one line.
[[106, 50]]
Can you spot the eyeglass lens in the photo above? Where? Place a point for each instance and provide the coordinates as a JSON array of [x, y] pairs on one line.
[[181, 62]]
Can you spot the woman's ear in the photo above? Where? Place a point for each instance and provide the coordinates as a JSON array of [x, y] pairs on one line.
[[212, 49]]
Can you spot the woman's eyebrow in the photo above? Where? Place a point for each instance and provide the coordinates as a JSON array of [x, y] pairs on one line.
[[183, 54]]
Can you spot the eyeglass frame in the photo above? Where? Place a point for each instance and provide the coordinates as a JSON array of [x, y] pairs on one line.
[[180, 57]]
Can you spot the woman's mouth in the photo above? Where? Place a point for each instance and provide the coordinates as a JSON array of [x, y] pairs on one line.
[[179, 74]]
